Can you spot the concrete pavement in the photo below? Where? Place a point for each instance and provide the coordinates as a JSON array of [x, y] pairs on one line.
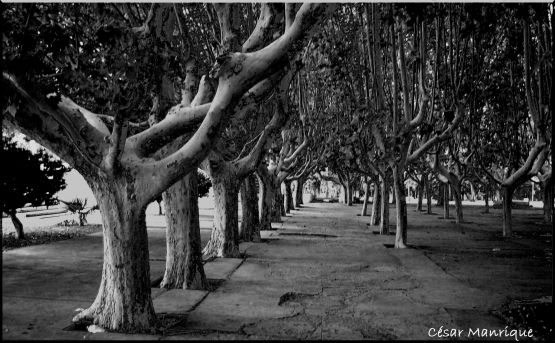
[[321, 275]]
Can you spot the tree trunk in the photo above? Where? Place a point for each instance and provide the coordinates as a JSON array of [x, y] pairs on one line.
[[184, 268], [365, 203], [486, 198], [384, 215], [299, 192], [349, 189], [472, 192], [249, 231], [278, 209], [19, 234], [376, 202], [123, 303], [420, 197], [548, 201], [224, 240], [288, 202], [266, 200], [159, 208], [393, 201], [458, 205], [401, 209], [440, 195], [445, 187], [507, 216], [428, 195]]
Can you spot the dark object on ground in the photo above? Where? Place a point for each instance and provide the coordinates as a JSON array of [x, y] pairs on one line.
[[533, 314]]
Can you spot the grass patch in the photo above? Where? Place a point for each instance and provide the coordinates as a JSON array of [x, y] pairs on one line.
[[54, 234]]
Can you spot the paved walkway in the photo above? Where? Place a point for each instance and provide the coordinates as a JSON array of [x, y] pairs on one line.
[[322, 275]]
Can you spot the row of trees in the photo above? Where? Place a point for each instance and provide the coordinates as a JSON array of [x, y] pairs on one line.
[[136, 97]]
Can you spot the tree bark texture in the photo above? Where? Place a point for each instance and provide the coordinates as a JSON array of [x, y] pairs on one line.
[[486, 198], [365, 203], [19, 234], [507, 211], [299, 191], [249, 231], [184, 268], [420, 197], [376, 202], [266, 199], [401, 209], [428, 195], [548, 201], [224, 240], [445, 188], [384, 215], [123, 302], [288, 201]]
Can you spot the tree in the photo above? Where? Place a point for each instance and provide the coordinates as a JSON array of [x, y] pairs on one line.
[[30, 178], [99, 57]]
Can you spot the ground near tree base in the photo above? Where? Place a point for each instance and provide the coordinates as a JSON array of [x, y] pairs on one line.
[[322, 274]]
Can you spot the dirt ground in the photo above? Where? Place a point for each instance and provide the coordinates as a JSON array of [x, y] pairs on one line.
[[322, 274]]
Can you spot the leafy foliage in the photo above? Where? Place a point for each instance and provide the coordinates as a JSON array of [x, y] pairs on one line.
[[29, 178]]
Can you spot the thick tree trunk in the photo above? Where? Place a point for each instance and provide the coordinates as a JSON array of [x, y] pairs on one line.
[[184, 268], [420, 197], [17, 225], [428, 195], [393, 201], [472, 192], [486, 199], [376, 203], [458, 203], [445, 188], [278, 205], [123, 303], [507, 209], [548, 201], [401, 209], [288, 201], [224, 240], [349, 199], [299, 191], [365, 203], [384, 215], [249, 231], [440, 195], [266, 200]]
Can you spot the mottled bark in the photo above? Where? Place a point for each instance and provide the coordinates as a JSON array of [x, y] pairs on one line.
[[266, 199], [278, 208], [17, 225], [376, 202], [486, 198], [445, 188], [365, 203], [249, 231], [457, 195], [507, 211], [548, 201], [349, 195], [123, 302], [224, 240], [401, 209], [384, 215], [288, 199], [184, 268], [428, 195], [299, 191], [420, 192]]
